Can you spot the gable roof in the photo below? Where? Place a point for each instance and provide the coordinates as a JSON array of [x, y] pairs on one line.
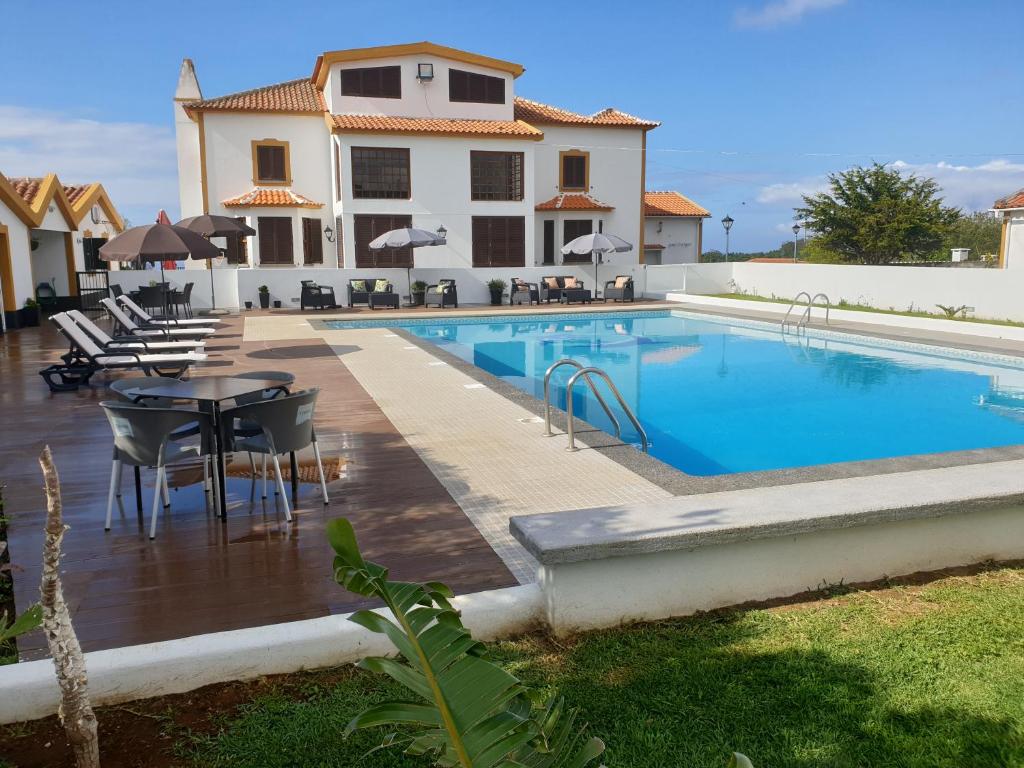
[[671, 204], [291, 97], [440, 126], [1016, 200], [573, 201], [424, 48], [262, 197], [545, 114], [29, 197]]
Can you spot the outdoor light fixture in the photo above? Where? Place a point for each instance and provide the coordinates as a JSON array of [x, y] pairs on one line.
[[442, 232], [329, 233], [727, 223], [424, 72], [796, 229]]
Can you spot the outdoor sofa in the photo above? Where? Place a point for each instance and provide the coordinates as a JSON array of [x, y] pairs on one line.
[[551, 287], [359, 290], [442, 294], [619, 289], [316, 296]]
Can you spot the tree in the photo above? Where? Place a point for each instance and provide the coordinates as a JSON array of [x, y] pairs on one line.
[[876, 215], [979, 231]]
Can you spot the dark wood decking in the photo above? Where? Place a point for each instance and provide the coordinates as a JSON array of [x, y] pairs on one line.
[[200, 574]]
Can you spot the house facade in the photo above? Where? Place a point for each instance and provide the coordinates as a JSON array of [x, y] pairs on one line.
[[1010, 210], [673, 228], [408, 135], [49, 231]]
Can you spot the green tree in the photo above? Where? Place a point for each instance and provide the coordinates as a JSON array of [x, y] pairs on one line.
[[876, 215], [979, 231]]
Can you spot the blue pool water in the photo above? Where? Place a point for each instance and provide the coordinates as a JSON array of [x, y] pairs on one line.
[[718, 397]]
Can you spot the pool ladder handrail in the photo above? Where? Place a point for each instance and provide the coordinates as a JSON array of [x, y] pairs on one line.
[[805, 316], [585, 373]]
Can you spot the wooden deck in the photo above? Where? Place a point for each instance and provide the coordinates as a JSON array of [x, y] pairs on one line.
[[201, 574]]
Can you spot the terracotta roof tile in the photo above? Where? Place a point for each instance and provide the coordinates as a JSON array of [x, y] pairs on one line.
[[671, 204], [574, 201], [75, 192], [27, 187], [292, 96], [541, 114], [1016, 200], [436, 125], [261, 197]]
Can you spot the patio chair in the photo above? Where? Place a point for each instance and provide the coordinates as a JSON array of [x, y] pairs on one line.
[[116, 290], [359, 290], [441, 294], [316, 296], [86, 357], [111, 343], [130, 327], [144, 436], [285, 426], [523, 291], [249, 428], [619, 289], [148, 320], [181, 300]]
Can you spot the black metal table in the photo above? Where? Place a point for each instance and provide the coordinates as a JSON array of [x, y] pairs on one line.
[[210, 392]]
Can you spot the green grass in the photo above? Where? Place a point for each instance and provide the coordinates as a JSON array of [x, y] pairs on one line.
[[912, 677], [866, 308]]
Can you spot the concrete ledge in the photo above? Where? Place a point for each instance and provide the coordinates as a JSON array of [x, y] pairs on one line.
[[602, 567], [29, 690]]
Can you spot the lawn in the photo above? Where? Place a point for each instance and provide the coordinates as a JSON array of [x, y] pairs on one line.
[[910, 676]]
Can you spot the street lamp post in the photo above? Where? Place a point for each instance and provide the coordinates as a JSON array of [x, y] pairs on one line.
[[796, 230], [727, 223]]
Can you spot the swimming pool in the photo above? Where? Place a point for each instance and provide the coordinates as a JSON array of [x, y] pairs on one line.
[[722, 396]]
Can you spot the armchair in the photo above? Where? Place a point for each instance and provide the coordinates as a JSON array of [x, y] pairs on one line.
[[316, 296], [619, 289], [442, 294]]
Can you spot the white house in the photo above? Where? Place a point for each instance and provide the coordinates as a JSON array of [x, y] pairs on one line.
[[409, 135], [49, 232], [1011, 242], [673, 228]]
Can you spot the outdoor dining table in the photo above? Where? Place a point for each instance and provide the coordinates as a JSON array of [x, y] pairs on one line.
[[209, 392]]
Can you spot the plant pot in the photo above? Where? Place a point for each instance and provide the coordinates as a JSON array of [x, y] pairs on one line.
[[264, 300], [495, 298], [29, 317], [248, 305], [418, 298], [277, 305]]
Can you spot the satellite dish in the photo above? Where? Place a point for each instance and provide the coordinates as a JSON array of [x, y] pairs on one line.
[[95, 214]]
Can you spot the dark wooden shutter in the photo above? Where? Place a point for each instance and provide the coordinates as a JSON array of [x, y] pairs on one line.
[[474, 87], [574, 172], [275, 233], [499, 241], [574, 228], [312, 242], [270, 165], [371, 226], [549, 242], [236, 250], [377, 82]]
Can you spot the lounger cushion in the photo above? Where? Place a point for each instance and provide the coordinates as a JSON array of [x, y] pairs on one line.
[[359, 285], [551, 282], [621, 280], [381, 286], [570, 282]]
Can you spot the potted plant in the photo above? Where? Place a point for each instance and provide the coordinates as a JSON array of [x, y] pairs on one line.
[[497, 287], [248, 305], [30, 313], [419, 290], [264, 297], [277, 304]]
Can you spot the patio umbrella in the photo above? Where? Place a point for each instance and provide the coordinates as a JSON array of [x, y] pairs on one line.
[[407, 237], [596, 243], [209, 226], [156, 242]]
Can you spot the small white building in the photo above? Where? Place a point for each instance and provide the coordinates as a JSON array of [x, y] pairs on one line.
[[410, 135], [673, 228], [1011, 241], [49, 232]]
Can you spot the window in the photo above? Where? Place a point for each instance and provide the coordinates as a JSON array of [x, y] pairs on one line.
[[378, 82], [496, 175], [571, 229], [574, 170], [499, 241], [236, 250], [312, 242], [270, 162], [549, 241], [380, 173], [469, 86], [369, 227], [275, 234], [337, 171]]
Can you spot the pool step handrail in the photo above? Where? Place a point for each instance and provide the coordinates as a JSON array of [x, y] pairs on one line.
[[805, 316], [585, 373], [547, 396]]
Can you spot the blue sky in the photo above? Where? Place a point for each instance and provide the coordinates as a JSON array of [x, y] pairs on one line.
[[759, 99]]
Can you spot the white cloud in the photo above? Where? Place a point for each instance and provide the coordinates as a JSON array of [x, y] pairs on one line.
[[135, 162], [792, 192], [781, 12]]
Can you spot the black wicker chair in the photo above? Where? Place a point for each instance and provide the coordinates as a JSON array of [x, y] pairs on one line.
[[523, 291], [616, 292], [316, 296], [359, 290], [442, 294]]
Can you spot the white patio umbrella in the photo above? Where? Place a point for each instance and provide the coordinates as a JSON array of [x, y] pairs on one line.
[[595, 243], [408, 237]]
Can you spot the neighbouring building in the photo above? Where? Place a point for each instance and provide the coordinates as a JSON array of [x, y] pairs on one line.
[[1011, 240], [49, 232], [673, 228], [410, 135]]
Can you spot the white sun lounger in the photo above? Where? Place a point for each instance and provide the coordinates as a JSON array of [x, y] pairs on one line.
[[130, 326], [134, 343], [148, 319]]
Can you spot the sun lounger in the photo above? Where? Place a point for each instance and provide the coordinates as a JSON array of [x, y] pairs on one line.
[[130, 327], [137, 343], [148, 319]]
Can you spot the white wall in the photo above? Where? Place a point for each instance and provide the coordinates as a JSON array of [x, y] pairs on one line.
[[418, 99], [687, 278], [994, 293], [21, 267], [679, 234], [49, 261], [225, 283], [1015, 240]]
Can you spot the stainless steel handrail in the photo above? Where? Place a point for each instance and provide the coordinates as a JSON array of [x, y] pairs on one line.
[[796, 300], [828, 305], [547, 396], [585, 373]]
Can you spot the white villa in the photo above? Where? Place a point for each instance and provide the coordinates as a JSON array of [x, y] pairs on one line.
[[49, 232], [1010, 210], [419, 135]]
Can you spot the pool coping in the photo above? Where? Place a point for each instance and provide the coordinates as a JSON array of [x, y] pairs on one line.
[[677, 482]]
